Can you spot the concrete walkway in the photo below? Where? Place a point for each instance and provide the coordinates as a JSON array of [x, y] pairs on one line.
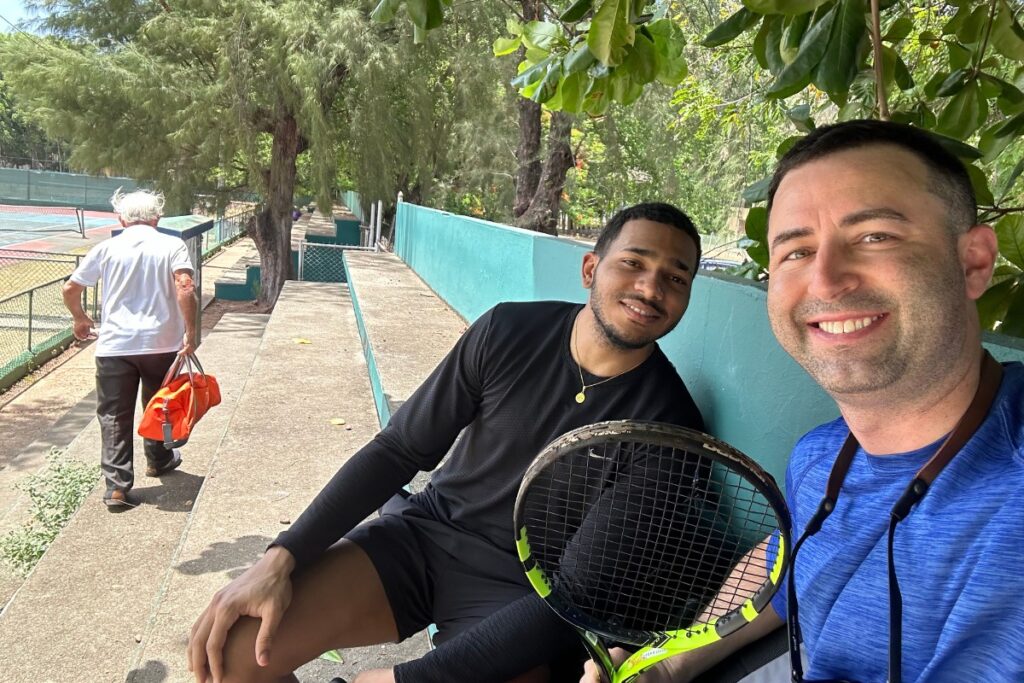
[[114, 597]]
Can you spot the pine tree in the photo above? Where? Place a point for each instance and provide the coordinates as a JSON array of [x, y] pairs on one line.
[[190, 94]]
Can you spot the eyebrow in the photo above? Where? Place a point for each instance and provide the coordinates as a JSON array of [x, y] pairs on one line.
[[847, 221], [649, 253]]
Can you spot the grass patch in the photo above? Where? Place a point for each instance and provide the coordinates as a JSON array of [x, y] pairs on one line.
[[55, 493]]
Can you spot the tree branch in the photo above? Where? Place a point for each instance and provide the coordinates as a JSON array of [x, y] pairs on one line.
[[876, 41], [984, 42]]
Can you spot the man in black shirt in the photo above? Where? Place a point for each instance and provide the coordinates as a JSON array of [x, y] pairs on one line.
[[522, 375]]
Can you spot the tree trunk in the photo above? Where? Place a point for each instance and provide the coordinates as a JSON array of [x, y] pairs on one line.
[[528, 150], [527, 155], [542, 214], [273, 229]]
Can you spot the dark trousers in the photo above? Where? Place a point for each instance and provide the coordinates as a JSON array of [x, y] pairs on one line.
[[117, 385]]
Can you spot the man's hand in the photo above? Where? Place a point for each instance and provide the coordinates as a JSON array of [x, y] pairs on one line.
[[662, 673], [83, 328], [376, 676], [188, 345], [264, 591]]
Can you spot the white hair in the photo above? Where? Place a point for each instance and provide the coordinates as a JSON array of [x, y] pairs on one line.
[[140, 206]]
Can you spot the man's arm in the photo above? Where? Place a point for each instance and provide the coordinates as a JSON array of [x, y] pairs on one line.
[[83, 324], [188, 302]]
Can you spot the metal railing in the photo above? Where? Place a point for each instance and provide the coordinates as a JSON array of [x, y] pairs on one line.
[[227, 229]]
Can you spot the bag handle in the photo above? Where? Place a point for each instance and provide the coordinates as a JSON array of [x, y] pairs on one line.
[[188, 360]]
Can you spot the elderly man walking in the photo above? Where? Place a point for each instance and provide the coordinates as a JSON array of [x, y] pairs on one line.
[[149, 317]]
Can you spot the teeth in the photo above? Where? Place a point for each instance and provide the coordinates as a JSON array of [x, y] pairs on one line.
[[639, 312], [847, 326]]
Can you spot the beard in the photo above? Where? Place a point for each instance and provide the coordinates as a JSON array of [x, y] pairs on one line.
[[620, 339]]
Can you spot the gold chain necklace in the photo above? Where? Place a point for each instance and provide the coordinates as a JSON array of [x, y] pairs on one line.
[[582, 395]]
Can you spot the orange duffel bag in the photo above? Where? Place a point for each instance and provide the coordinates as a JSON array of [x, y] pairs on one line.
[[179, 403]]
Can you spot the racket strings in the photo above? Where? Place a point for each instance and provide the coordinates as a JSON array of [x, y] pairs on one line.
[[643, 537]]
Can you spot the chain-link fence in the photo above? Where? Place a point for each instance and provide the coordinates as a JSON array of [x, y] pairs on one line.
[[323, 262], [35, 321]]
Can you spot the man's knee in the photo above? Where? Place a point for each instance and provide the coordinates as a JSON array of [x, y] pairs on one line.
[[240, 665]]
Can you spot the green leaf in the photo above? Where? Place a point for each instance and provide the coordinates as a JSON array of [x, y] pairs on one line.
[[1007, 90], [598, 97], [732, 27], [956, 147], [670, 45], [788, 7], [787, 145], [959, 56], [532, 74], [425, 14], [793, 30], [610, 32], [580, 59], [904, 80], [1010, 231], [990, 145], [766, 45], [899, 29], [979, 181], [797, 75], [572, 92], [641, 61], [506, 46], [577, 11], [513, 27], [548, 86], [953, 83], [964, 113], [1013, 321], [973, 28], [542, 34], [958, 19], [385, 10], [995, 302], [931, 88], [333, 656], [757, 192], [1011, 179], [800, 115], [839, 66], [756, 228], [1006, 34], [1010, 128]]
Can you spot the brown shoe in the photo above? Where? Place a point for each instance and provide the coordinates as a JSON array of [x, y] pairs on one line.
[[118, 499], [153, 471]]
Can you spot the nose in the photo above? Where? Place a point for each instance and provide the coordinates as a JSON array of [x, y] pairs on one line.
[[648, 284], [833, 275]]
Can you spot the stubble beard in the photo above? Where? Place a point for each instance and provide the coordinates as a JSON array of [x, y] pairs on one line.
[[608, 332]]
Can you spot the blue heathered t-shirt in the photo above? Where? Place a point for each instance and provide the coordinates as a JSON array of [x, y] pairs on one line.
[[959, 556]]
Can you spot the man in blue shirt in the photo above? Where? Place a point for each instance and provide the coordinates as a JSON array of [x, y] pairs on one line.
[[876, 264]]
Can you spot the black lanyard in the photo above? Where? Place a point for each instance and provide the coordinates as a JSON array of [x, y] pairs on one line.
[[988, 387]]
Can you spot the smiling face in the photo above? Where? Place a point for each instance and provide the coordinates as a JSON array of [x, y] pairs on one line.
[[869, 289], [640, 288]]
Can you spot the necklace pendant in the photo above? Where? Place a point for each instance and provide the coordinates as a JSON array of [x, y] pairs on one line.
[[581, 397]]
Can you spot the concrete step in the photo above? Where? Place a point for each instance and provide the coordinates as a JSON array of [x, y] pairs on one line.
[[81, 613], [279, 451]]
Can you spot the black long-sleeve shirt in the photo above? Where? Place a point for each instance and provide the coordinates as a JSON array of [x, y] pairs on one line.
[[510, 382]]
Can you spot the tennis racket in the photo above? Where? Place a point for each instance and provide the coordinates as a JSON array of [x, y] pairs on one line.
[[650, 536]]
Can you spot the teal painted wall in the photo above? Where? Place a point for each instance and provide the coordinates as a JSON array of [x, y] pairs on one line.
[[751, 392]]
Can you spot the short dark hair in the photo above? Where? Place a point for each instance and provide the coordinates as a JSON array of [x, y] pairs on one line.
[[659, 212], [948, 177]]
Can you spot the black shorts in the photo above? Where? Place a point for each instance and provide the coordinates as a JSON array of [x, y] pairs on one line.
[[426, 583]]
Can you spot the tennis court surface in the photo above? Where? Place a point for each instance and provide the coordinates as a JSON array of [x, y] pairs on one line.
[[47, 228]]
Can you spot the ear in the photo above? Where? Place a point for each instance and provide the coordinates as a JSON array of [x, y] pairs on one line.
[[978, 249], [590, 261]]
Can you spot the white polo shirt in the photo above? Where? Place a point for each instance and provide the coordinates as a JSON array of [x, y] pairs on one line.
[[140, 305]]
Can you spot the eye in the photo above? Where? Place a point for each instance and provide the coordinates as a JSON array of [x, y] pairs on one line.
[[631, 263], [876, 237], [797, 254], [678, 280]]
